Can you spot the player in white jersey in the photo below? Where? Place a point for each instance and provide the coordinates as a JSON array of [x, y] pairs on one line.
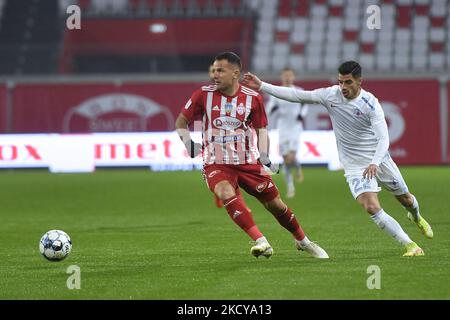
[[289, 123], [363, 141]]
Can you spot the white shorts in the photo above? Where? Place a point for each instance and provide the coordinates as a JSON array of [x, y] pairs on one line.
[[289, 145], [388, 175]]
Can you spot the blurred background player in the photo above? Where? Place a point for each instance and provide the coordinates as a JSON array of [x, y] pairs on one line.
[[289, 122], [363, 141], [231, 114]]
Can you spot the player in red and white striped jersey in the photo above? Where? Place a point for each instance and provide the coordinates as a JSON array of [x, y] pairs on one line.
[[235, 148], [217, 201]]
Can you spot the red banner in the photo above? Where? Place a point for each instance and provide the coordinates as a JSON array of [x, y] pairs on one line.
[[448, 122], [411, 108], [177, 36], [98, 107], [157, 37], [3, 116]]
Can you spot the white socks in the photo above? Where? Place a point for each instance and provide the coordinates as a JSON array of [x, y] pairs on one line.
[[414, 209], [304, 242], [391, 226], [261, 240], [288, 174]]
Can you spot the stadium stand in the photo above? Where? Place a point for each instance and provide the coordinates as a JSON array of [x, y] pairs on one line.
[[309, 35], [317, 35], [157, 8], [124, 36], [2, 3], [30, 34]]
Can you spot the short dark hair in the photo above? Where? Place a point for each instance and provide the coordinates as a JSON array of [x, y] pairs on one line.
[[350, 67], [288, 69], [231, 57]]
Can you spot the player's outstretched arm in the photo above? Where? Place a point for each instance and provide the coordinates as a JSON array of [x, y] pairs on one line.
[[285, 93], [182, 127]]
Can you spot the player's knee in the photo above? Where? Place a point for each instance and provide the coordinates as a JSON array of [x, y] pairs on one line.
[[406, 200], [371, 207], [289, 159], [276, 206], [224, 190]]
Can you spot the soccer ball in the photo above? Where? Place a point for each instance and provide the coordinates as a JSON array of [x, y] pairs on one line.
[[55, 245]]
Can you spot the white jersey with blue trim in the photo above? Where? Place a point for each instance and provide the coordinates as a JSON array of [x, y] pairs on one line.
[[354, 122]]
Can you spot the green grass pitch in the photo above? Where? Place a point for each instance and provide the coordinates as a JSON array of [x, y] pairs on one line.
[[139, 234]]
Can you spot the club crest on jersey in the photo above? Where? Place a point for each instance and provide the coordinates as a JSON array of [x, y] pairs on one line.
[[228, 107], [357, 112], [240, 109], [227, 123], [260, 187]]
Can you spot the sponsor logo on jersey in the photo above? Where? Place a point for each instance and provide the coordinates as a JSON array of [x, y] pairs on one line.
[[240, 109], [261, 187], [334, 106], [227, 123], [212, 174], [216, 108], [226, 139]]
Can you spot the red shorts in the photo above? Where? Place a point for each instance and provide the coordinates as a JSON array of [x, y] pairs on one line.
[[250, 177]]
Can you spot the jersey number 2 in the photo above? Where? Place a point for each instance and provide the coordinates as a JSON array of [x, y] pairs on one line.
[[356, 184]]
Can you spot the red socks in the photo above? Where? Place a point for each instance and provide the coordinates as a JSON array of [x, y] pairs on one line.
[[241, 215], [289, 222]]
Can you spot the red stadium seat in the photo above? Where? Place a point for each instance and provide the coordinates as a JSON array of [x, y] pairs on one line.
[[282, 36], [421, 10], [302, 8], [285, 8], [404, 16], [84, 5], [335, 11], [350, 35], [438, 22], [437, 46]]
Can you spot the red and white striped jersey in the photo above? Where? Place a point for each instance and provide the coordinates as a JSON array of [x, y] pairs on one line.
[[228, 124]]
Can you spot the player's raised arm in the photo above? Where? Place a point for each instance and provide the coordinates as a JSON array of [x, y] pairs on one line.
[[285, 93], [182, 127]]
